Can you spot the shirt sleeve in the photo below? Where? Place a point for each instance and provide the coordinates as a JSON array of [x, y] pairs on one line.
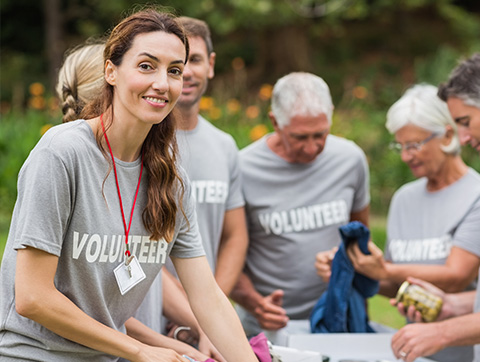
[[467, 233], [188, 242], [44, 202], [235, 195], [362, 192]]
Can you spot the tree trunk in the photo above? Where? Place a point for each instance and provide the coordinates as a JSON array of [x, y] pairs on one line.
[[53, 38], [281, 51]]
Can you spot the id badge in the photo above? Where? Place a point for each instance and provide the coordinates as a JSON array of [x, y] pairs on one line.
[[128, 276]]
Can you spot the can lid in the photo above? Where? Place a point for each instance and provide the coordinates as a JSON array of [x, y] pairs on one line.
[[401, 291]]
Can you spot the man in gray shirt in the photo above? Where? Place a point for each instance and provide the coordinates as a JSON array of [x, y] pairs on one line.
[[300, 184], [210, 158]]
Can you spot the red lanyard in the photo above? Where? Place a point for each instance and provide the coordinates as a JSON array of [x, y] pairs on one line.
[[127, 230]]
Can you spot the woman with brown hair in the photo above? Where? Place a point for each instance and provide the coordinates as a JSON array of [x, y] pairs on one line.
[[101, 204]]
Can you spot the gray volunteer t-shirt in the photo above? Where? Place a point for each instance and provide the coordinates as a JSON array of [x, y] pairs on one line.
[[63, 210], [210, 158], [423, 226], [294, 211]]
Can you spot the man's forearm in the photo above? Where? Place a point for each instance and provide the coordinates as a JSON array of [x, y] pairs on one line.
[[245, 294], [232, 250]]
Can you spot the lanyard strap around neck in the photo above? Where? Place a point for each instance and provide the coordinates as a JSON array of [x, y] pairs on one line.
[[127, 229]]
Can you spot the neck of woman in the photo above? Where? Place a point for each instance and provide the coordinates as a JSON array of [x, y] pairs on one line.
[[453, 170], [126, 141]]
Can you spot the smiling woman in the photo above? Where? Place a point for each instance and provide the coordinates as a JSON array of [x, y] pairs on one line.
[[85, 243]]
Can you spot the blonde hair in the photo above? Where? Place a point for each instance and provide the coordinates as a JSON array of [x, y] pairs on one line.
[[80, 79]]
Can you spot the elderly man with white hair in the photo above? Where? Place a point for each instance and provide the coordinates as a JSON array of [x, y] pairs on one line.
[[300, 184]]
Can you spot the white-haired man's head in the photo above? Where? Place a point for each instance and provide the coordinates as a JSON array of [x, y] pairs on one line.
[[300, 93]]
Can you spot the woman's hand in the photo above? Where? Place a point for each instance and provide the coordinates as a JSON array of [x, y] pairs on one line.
[[207, 347], [158, 354]]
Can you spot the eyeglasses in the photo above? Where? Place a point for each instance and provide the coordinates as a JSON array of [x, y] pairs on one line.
[[410, 147]]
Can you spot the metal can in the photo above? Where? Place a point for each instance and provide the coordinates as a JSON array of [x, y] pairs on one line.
[[429, 305]]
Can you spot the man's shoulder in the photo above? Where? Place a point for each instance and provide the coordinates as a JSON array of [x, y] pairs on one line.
[[254, 148], [338, 143], [217, 133]]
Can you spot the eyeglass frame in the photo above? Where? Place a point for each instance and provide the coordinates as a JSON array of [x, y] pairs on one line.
[[410, 147]]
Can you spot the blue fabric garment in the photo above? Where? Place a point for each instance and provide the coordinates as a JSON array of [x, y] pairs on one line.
[[342, 308]]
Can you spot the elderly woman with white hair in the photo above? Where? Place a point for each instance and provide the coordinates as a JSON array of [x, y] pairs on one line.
[[433, 224], [432, 228]]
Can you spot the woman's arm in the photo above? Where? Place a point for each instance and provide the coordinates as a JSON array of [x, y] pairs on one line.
[[459, 270], [213, 310], [38, 299], [141, 332], [177, 310]]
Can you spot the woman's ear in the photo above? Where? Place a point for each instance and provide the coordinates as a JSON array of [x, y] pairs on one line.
[[448, 136], [110, 72]]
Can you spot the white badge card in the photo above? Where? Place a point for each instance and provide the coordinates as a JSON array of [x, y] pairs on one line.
[[129, 275]]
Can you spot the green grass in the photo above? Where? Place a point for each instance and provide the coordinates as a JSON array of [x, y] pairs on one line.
[[379, 308], [380, 311], [4, 225]]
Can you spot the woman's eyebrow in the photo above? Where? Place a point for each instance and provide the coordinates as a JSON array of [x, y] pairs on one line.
[[153, 57]]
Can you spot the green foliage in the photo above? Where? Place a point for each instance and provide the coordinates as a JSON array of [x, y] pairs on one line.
[[18, 134], [381, 311]]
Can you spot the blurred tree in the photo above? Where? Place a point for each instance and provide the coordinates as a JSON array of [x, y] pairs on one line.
[[272, 37]]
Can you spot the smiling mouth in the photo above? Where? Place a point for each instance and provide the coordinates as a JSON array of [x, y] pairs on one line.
[[155, 100], [189, 86]]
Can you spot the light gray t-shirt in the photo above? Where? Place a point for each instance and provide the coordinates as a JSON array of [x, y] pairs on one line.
[[63, 209], [294, 211], [423, 226], [210, 158]]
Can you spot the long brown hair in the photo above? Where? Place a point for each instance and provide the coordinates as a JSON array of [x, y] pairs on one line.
[[165, 185]]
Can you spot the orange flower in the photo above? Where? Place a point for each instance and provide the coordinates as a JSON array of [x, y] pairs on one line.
[[36, 89], [265, 92], [206, 103], [45, 128], [37, 102], [214, 113], [252, 112], [258, 132], [360, 92], [233, 106]]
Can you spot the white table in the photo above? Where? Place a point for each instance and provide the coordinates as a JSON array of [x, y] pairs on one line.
[[364, 347]]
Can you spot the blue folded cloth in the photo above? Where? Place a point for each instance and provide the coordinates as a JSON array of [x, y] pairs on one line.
[[342, 308]]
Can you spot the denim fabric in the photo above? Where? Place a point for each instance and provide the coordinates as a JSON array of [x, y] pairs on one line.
[[342, 308]]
